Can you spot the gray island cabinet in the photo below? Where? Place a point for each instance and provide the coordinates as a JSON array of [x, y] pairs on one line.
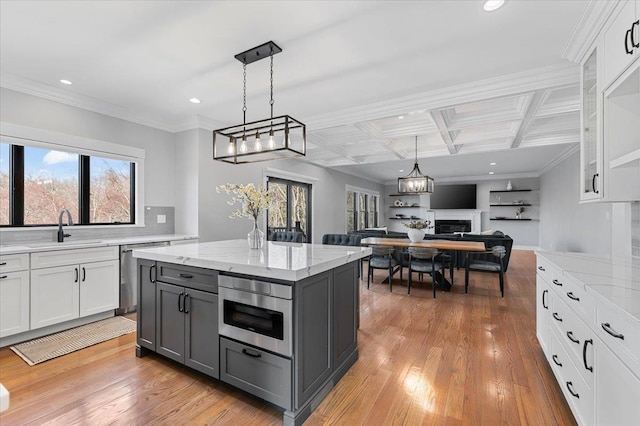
[[292, 309]]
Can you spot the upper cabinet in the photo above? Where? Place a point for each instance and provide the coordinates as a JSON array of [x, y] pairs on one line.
[[610, 119]]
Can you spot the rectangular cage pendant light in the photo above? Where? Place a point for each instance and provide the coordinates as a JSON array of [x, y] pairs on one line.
[[269, 139], [415, 182]]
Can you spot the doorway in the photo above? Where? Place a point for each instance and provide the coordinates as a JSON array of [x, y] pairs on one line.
[[291, 207]]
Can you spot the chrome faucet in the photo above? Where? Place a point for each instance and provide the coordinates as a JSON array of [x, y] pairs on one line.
[[61, 233]]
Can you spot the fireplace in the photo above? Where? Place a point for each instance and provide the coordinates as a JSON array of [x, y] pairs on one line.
[[450, 226]]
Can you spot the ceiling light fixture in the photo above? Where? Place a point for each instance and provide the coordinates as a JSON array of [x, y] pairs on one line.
[[415, 182], [287, 136], [491, 5], [400, 117], [67, 82], [491, 173], [195, 100], [492, 164]]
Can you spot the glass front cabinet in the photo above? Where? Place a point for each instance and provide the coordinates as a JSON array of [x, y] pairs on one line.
[[591, 176]]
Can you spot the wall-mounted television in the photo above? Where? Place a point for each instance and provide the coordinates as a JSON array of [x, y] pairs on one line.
[[454, 197]]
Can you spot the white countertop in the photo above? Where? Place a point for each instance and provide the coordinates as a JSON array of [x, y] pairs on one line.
[[286, 261], [615, 281], [70, 243]]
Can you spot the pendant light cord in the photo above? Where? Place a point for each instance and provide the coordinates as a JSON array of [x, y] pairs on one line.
[[244, 93], [416, 149], [271, 100]]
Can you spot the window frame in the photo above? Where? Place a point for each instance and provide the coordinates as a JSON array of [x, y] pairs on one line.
[[367, 194], [18, 135]]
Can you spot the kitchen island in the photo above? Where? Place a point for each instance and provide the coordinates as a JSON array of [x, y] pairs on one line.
[[279, 323]]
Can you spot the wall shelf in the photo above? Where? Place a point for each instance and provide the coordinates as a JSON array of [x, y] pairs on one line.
[[403, 207], [510, 205], [513, 190], [406, 218], [509, 218]]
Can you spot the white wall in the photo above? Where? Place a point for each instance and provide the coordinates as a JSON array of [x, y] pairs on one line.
[[187, 182], [32, 111], [565, 224]]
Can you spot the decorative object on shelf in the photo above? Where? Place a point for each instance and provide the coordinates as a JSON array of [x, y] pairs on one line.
[[254, 201], [398, 203], [509, 186], [244, 143], [416, 229], [415, 182], [519, 212], [399, 215]]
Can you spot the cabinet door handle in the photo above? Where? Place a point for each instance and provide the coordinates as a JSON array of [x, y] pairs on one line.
[[251, 353], [3, 277], [180, 308], [569, 384], [584, 354], [557, 317], [186, 304], [634, 43], [77, 273], [544, 305], [3, 263], [573, 339], [152, 271], [593, 183], [556, 282], [571, 296], [555, 360], [607, 327], [540, 268], [84, 274], [628, 39], [186, 275]]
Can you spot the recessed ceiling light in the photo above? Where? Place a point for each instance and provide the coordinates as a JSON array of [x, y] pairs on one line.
[[67, 82], [400, 117], [492, 164], [195, 100], [491, 173], [491, 5], [401, 170]]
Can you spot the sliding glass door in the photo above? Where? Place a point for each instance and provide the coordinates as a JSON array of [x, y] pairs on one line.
[[291, 207]]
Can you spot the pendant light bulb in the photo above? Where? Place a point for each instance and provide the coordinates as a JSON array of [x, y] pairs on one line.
[[257, 146], [232, 146], [243, 145], [272, 143]]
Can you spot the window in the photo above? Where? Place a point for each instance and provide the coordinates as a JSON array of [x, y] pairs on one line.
[[291, 207], [362, 209], [36, 183]]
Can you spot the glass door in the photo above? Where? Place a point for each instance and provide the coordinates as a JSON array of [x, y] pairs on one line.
[[291, 207], [590, 150]]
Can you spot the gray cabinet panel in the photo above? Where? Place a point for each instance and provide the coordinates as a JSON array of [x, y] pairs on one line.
[[260, 373], [313, 343], [201, 332], [188, 276], [169, 321], [146, 316], [345, 312]]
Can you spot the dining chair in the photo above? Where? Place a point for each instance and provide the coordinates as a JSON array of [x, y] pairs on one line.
[[472, 263], [382, 258], [423, 260]]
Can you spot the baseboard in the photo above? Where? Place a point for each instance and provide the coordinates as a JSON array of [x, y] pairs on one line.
[[530, 248]]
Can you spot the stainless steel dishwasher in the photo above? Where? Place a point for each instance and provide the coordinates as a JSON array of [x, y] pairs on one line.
[[129, 276]]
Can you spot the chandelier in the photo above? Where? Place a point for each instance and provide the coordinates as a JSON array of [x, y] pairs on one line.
[[415, 182], [269, 139]]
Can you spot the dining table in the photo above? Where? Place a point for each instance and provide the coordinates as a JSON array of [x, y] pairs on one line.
[[456, 245]]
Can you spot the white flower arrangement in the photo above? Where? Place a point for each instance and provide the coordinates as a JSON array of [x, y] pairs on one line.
[[253, 200], [418, 224]]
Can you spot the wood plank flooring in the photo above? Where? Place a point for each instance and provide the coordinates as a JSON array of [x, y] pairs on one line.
[[459, 359]]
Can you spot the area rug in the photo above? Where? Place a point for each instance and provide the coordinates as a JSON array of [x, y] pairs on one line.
[[58, 344]]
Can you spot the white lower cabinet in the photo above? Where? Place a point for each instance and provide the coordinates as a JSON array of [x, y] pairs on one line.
[[97, 290], [14, 303], [55, 295]]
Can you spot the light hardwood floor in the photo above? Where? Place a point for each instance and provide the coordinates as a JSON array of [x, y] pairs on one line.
[[459, 359]]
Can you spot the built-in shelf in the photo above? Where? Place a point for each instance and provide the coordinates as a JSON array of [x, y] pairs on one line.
[[507, 218], [510, 205], [402, 207], [513, 190], [406, 218]]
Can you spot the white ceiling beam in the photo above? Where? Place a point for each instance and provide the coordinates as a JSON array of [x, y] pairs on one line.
[[536, 102], [441, 123]]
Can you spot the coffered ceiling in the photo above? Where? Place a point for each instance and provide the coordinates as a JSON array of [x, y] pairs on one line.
[[475, 87]]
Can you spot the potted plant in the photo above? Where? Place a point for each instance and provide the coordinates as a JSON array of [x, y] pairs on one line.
[[417, 229], [519, 212], [253, 201]]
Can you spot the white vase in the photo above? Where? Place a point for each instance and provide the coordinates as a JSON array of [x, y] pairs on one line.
[[255, 237], [415, 235], [509, 186]]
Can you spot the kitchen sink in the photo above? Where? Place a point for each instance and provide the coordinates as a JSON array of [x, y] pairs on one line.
[[63, 244]]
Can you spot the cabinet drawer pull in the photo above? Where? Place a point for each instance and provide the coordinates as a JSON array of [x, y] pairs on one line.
[[571, 296], [545, 305], [251, 353], [152, 269], [3, 277], [180, 308], [540, 268], [573, 339], [607, 327], [556, 282], [584, 355], [555, 360], [186, 275], [557, 317], [569, 384]]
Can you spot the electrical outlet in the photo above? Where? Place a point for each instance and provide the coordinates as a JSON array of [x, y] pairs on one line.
[[162, 218]]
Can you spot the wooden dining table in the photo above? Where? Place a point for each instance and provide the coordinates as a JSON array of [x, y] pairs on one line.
[[436, 244]]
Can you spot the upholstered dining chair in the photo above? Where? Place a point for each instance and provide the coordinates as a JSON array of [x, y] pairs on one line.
[[286, 237], [474, 264], [424, 260], [382, 258], [344, 240]]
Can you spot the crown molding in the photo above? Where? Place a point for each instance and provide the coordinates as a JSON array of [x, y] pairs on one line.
[[564, 74], [559, 159], [588, 28]]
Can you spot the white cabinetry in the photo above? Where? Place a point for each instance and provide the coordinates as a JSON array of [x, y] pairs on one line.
[[69, 284], [14, 294], [592, 345], [620, 40]]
